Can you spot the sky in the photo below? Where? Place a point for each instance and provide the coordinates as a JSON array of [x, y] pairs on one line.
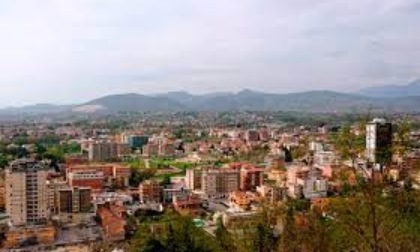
[[63, 52]]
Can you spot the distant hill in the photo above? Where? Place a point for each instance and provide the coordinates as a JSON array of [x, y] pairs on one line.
[[128, 103], [42, 108], [311, 101], [392, 91]]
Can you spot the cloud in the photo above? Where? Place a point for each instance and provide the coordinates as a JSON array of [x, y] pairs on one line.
[[71, 51]]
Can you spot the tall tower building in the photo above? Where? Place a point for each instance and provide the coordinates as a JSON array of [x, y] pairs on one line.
[[26, 192], [379, 141]]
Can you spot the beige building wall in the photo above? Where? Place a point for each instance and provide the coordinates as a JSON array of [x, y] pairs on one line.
[[27, 195]]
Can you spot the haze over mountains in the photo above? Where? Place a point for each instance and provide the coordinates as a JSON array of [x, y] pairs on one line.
[[404, 98], [411, 89]]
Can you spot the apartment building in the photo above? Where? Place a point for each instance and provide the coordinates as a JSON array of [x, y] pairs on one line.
[[167, 149], [213, 182], [193, 178], [86, 178], [53, 186], [26, 192], [379, 141], [101, 152], [114, 174], [219, 183], [151, 149], [150, 191], [74, 200], [251, 178]]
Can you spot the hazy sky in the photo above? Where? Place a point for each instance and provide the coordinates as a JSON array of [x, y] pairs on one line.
[[69, 51]]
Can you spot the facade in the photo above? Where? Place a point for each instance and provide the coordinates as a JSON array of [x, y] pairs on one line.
[[166, 149], [219, 183], [18, 236], [101, 152], [240, 219], [151, 149], [213, 182], [314, 187], [74, 200], [53, 187], [306, 182], [113, 174], [112, 221], [323, 158], [26, 192], [193, 178], [379, 141], [169, 194], [251, 178], [137, 141], [189, 204], [241, 200], [87, 178], [273, 193], [150, 191], [252, 136]]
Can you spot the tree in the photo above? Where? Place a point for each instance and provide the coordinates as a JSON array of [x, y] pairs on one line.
[[402, 141], [40, 149], [4, 161], [224, 238], [349, 145], [137, 176], [166, 180], [176, 234], [375, 215]]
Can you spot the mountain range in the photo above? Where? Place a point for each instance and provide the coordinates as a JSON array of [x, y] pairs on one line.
[[392, 91], [396, 98]]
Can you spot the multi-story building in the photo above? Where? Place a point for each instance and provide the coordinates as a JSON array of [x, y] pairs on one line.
[[306, 182], [251, 178], [234, 220], [193, 178], [87, 178], [113, 221], [17, 236], [213, 182], [252, 136], [273, 193], [314, 186], [219, 183], [150, 191], [316, 146], [137, 141], [379, 141], [107, 151], [74, 200], [166, 149], [114, 174], [264, 135], [241, 200], [26, 192], [295, 174], [187, 204], [169, 194], [53, 187], [151, 149], [324, 158]]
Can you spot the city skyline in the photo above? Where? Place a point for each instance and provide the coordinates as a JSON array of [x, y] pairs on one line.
[[71, 52]]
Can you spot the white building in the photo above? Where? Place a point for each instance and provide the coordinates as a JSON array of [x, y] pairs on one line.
[[378, 141]]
